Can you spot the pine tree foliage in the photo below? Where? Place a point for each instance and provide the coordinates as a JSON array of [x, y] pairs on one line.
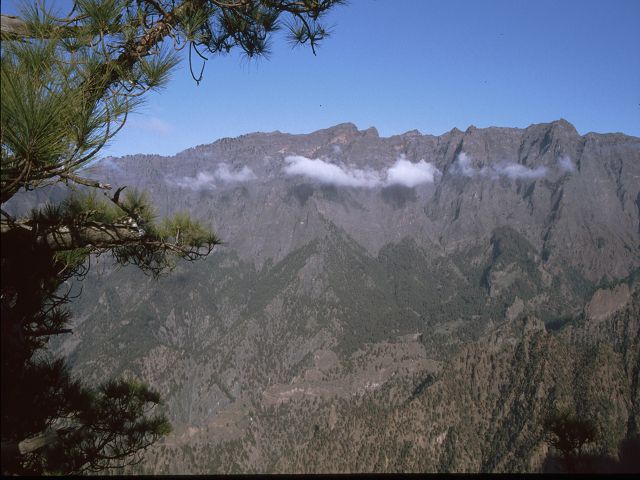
[[68, 82], [88, 70], [569, 434], [84, 429]]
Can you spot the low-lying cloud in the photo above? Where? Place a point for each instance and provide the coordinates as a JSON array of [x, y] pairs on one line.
[[409, 174], [402, 172], [224, 173], [202, 181], [516, 171], [566, 164], [207, 180], [463, 166], [329, 173]]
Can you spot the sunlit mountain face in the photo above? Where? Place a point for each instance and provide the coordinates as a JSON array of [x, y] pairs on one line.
[[410, 303]]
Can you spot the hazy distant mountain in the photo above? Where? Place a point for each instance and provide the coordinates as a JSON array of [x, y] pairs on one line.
[[410, 303]]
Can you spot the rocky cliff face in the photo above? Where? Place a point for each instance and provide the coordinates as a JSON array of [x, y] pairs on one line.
[[574, 198], [421, 299]]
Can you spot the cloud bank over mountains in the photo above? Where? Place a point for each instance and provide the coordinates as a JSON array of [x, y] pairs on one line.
[[512, 170], [403, 172], [224, 173], [516, 171], [329, 173]]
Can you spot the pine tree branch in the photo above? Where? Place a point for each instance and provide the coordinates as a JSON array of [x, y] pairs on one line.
[[98, 237], [111, 72], [12, 450], [12, 27], [35, 443], [85, 181], [46, 333], [92, 234]]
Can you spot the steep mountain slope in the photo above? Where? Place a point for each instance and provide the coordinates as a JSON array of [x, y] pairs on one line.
[[481, 410], [420, 300]]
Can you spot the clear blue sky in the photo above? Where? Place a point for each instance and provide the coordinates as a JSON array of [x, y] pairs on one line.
[[404, 64]]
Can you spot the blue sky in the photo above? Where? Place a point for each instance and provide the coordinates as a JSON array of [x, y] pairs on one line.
[[400, 65]]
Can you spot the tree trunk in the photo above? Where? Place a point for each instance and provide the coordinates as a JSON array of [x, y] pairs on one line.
[[12, 450]]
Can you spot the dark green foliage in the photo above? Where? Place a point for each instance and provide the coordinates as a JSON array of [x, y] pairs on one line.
[[569, 434], [627, 460], [511, 248], [423, 385], [96, 429], [560, 323], [46, 391], [447, 458], [38, 394]]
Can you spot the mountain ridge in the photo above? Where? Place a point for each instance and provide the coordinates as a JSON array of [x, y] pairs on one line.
[[410, 133], [527, 163], [376, 281]]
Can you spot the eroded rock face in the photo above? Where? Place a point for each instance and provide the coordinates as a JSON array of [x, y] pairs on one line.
[[606, 302], [413, 271], [573, 198]]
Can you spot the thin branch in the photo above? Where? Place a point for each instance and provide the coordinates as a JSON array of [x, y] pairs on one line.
[[157, 6], [45, 333], [197, 79]]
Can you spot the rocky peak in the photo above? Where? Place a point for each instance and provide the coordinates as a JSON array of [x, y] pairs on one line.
[[371, 132], [412, 133]]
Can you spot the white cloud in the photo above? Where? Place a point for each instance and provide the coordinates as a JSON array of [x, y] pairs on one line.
[[409, 174], [462, 166], [206, 180], [516, 171], [403, 172], [329, 173], [201, 181], [224, 173], [566, 164]]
